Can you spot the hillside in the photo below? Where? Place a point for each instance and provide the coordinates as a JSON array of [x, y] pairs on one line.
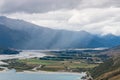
[[109, 70], [24, 35], [114, 51], [8, 51], [12, 38]]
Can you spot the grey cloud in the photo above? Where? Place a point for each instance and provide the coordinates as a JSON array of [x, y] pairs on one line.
[[38, 6], [99, 3], [96, 16]]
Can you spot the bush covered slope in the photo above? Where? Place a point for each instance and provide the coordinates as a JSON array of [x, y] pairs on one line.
[[110, 69]]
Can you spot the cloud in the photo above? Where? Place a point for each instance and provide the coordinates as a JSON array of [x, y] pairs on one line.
[[95, 16], [1, 3], [94, 20], [99, 3], [38, 6]]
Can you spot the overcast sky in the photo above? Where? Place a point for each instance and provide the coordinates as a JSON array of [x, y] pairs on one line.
[[96, 16]]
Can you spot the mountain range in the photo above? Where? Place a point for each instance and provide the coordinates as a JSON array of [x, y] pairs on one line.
[[15, 33]]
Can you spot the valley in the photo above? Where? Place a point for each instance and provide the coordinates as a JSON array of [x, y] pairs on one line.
[[59, 39], [22, 49], [70, 60], [100, 63], [97, 62]]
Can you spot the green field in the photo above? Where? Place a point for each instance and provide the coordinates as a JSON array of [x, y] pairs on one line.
[[49, 65], [70, 62]]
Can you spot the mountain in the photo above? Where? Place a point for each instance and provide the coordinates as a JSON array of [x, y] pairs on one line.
[[11, 38], [8, 51], [24, 35], [110, 69]]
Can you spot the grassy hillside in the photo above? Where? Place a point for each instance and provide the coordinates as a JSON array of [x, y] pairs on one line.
[[48, 65], [109, 70]]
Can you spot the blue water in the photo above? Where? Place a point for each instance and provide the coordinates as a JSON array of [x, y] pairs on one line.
[[12, 75]]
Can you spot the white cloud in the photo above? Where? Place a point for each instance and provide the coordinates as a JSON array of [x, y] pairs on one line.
[[109, 29], [95, 16], [94, 20]]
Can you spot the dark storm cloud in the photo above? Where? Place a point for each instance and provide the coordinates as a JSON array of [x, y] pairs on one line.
[[38, 6]]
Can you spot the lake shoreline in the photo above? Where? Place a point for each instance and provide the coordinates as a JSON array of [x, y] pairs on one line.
[[44, 72], [67, 74], [49, 72]]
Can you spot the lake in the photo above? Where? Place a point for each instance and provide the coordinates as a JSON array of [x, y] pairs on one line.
[[13, 75]]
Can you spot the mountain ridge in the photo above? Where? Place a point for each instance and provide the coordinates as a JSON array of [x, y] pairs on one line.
[[38, 37]]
